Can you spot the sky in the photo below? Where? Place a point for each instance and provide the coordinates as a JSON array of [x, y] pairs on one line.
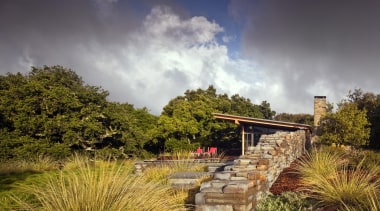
[[147, 52]]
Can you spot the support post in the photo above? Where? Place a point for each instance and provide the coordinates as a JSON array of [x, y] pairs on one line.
[[242, 140]]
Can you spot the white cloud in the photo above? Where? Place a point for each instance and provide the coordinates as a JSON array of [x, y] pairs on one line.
[[169, 55], [147, 63]]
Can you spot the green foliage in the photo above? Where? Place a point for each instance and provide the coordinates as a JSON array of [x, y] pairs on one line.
[[372, 158], [286, 201], [348, 126], [371, 104], [51, 111], [188, 120], [265, 109], [174, 145], [307, 119], [338, 186]]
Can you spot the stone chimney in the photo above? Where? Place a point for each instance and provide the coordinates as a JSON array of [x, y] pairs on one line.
[[319, 111]]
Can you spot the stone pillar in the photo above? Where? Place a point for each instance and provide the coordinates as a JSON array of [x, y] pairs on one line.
[[319, 111]]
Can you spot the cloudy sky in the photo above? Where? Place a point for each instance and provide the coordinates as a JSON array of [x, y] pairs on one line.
[[146, 52]]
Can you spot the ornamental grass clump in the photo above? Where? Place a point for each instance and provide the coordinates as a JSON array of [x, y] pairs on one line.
[[103, 187], [328, 178], [319, 163]]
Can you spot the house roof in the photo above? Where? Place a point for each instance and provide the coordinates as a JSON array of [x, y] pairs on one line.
[[262, 122]]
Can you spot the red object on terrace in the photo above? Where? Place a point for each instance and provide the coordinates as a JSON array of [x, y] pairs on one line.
[[211, 151], [199, 152]]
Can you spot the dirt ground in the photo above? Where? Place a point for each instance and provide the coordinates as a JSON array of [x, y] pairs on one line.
[[287, 181]]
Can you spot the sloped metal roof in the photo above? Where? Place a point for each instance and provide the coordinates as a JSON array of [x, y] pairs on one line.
[[262, 122]]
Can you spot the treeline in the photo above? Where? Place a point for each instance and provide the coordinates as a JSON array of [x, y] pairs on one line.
[[51, 111]]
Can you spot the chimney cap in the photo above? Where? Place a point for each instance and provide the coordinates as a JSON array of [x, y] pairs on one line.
[[320, 97]]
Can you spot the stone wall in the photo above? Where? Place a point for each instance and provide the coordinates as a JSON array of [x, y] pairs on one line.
[[213, 164], [240, 185]]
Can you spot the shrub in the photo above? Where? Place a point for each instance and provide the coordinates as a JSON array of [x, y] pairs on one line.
[[337, 185], [286, 201]]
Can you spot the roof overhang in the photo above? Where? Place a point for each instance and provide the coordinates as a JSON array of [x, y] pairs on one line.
[[241, 120]]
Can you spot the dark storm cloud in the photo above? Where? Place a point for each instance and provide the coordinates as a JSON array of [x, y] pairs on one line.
[[67, 33], [51, 31], [314, 47]]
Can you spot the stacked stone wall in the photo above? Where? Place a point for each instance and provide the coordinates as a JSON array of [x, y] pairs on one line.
[[240, 185]]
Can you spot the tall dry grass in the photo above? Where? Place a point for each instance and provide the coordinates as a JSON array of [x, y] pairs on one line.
[[39, 163], [104, 186], [329, 179], [320, 163]]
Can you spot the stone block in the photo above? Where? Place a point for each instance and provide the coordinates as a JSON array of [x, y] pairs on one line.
[[244, 161], [235, 188], [263, 162], [251, 167], [182, 182], [234, 196], [267, 156], [242, 174], [273, 152], [226, 201], [238, 178], [200, 198], [243, 207], [222, 175], [279, 142], [262, 167], [267, 148], [214, 208], [219, 183], [228, 168], [253, 175], [207, 184], [212, 190], [263, 178]]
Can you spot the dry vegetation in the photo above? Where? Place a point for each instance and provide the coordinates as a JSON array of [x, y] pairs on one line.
[[98, 185], [328, 178]]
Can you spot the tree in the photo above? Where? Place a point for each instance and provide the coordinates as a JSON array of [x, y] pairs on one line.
[[52, 111], [307, 119], [187, 121], [348, 126], [48, 111], [371, 104], [265, 109], [127, 129]]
